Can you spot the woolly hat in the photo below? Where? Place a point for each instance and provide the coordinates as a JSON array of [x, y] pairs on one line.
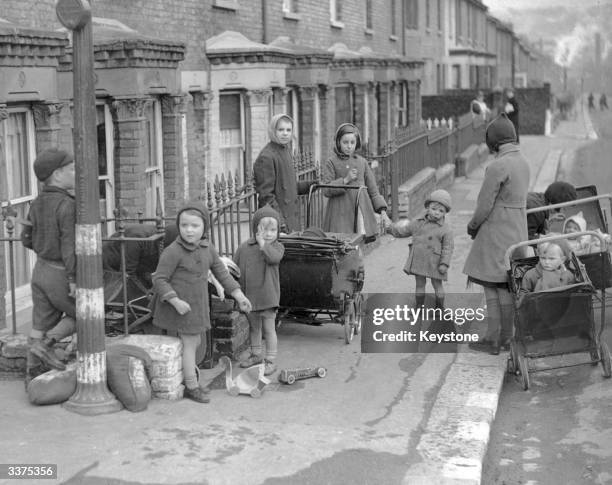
[[265, 211], [577, 219], [500, 131], [559, 192], [441, 197], [198, 206], [50, 160]]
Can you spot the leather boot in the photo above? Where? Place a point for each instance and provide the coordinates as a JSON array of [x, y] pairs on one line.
[[43, 349], [34, 368]]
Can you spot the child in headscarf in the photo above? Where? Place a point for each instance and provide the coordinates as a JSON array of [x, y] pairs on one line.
[[274, 176], [583, 244], [345, 167]]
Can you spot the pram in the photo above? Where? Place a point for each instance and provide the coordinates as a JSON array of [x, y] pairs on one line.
[[558, 321], [321, 277]]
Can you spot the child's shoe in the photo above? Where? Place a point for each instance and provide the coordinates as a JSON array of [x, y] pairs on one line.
[[198, 394], [252, 360], [270, 367]]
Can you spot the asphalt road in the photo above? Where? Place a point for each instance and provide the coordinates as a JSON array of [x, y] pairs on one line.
[[560, 430]]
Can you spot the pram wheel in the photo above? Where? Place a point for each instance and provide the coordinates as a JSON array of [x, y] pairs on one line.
[[524, 369], [358, 313], [349, 320], [605, 359], [512, 366]]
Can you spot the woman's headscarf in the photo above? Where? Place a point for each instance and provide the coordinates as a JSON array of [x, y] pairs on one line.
[[274, 123], [342, 130]]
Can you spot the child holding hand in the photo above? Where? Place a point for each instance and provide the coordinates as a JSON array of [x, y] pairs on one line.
[[432, 245], [181, 290], [258, 259]]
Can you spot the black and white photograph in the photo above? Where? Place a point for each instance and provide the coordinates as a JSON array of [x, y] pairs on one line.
[[305, 242]]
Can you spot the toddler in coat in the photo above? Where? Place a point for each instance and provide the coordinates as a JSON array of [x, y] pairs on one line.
[[432, 245], [550, 272], [181, 290], [258, 259]]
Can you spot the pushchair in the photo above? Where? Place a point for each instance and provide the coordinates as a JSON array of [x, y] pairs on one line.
[[558, 321]]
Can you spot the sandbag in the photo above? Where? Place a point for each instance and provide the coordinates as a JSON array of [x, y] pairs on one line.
[[53, 387], [126, 374]]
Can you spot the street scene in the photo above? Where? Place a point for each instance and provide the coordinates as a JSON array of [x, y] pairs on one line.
[[300, 243]]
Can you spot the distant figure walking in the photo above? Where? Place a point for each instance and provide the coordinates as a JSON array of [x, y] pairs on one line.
[[603, 102], [479, 108], [591, 99], [511, 108]]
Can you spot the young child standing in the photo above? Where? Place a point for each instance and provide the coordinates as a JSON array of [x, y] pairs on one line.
[[347, 168], [181, 289], [258, 259], [51, 236], [432, 246]]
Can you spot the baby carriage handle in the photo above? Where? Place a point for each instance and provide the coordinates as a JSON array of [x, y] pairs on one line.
[[315, 187], [532, 242], [571, 203]]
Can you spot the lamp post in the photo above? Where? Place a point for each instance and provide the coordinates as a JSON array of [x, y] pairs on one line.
[[92, 395]]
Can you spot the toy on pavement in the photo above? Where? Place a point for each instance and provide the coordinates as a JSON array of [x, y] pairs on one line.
[[289, 376], [251, 381]]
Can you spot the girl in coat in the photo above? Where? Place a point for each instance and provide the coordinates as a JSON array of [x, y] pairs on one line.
[[432, 246], [499, 221], [181, 289], [274, 176], [347, 168]]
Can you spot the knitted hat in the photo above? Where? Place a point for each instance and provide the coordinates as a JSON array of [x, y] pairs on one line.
[[500, 131], [559, 192], [441, 197], [265, 211], [50, 160], [577, 219], [198, 206]]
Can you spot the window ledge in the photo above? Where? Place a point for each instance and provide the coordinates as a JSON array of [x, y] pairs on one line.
[[336, 24], [292, 16], [368, 31], [393, 38], [226, 4]]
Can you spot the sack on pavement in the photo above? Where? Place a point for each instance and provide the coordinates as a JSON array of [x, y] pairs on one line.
[[53, 387], [126, 373]]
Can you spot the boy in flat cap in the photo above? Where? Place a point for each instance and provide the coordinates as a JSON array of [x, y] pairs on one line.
[[51, 236]]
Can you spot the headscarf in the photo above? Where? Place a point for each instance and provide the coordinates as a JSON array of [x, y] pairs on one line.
[[342, 130], [274, 123]]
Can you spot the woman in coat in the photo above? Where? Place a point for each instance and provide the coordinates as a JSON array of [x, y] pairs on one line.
[[275, 180], [498, 222], [345, 167]]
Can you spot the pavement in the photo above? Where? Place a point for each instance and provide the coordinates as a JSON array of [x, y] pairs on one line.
[[375, 418]]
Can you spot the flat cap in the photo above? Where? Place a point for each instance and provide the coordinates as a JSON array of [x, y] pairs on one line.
[[50, 160]]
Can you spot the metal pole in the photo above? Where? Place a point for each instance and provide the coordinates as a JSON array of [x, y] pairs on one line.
[[92, 396]]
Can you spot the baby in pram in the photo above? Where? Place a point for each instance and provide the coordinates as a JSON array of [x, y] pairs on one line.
[[550, 271], [583, 244]]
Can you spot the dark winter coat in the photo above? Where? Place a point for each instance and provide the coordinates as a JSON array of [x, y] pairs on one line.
[[259, 267], [340, 212], [514, 116], [183, 271], [499, 219], [432, 245], [51, 235]]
